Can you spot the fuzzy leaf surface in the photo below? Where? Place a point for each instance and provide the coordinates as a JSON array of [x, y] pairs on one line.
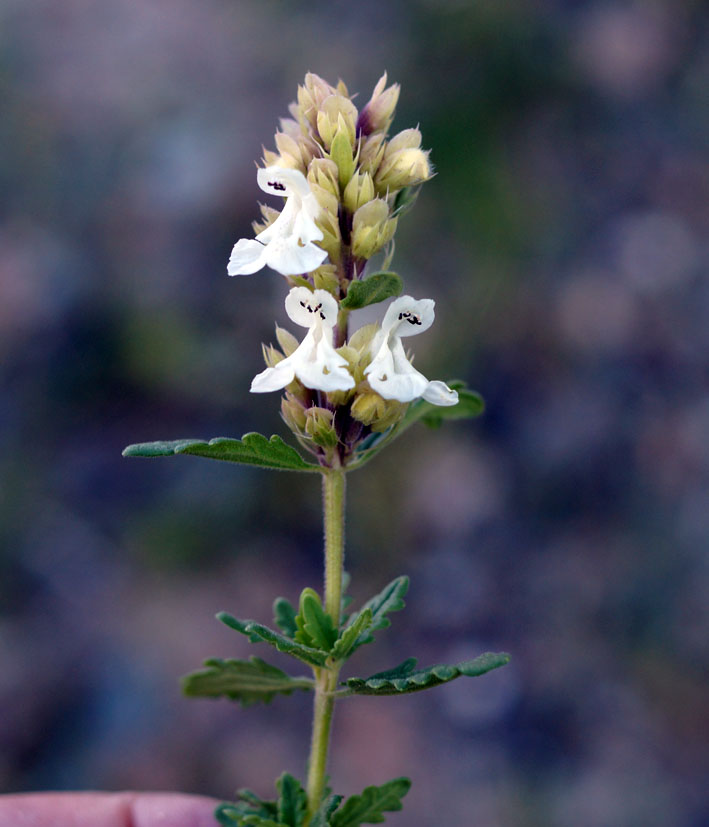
[[315, 627], [241, 814], [251, 449], [321, 818], [345, 644], [406, 678], [373, 289], [247, 681], [389, 599], [284, 616], [369, 807], [258, 633], [292, 800]]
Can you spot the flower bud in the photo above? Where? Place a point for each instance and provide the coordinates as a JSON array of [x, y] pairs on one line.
[[378, 114], [372, 228], [293, 413], [370, 409], [336, 114], [326, 278], [371, 153], [402, 169], [359, 191], [311, 95], [319, 426], [323, 172], [271, 355]]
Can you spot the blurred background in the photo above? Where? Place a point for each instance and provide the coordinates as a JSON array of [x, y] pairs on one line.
[[564, 240]]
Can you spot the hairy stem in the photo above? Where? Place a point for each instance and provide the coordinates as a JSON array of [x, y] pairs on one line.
[[326, 677]]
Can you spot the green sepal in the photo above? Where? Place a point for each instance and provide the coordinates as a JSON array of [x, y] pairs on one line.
[[389, 599], [249, 681], [315, 627], [406, 678], [292, 801], [299, 281], [258, 633], [368, 808], [251, 449], [321, 817], [470, 405], [373, 289], [345, 644], [341, 154], [284, 616]]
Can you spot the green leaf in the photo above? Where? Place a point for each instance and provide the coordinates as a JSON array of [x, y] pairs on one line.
[[292, 801], [284, 616], [258, 633], [315, 627], [368, 808], [256, 803], [240, 814], [345, 644], [374, 288], [470, 404], [251, 449], [248, 681], [405, 200], [405, 678], [389, 599], [321, 818]]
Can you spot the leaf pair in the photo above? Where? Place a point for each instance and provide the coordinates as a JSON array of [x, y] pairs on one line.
[[289, 810]]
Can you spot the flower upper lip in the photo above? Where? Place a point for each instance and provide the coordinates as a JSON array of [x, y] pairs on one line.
[[287, 245]]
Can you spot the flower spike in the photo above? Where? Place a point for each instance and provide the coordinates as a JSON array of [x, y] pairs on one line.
[[315, 362], [390, 373], [286, 245]]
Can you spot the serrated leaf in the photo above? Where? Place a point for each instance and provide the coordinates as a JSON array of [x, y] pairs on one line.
[[373, 289], [470, 404], [251, 449], [262, 808], [239, 815], [292, 801], [368, 808], [405, 678], [344, 645], [389, 599], [315, 627], [247, 681], [257, 633], [321, 818], [284, 616]]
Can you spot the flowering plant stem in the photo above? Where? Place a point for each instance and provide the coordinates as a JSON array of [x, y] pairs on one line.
[[326, 677]]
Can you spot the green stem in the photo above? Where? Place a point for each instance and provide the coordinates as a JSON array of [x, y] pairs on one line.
[[326, 677]]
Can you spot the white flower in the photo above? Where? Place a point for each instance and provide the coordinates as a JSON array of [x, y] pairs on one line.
[[390, 373], [315, 362], [287, 245]]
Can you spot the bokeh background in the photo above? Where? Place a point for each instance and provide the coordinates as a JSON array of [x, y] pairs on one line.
[[564, 239]]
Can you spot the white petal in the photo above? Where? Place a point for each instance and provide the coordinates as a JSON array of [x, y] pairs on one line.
[[438, 393], [312, 375], [283, 181], [273, 379], [394, 377], [247, 257], [306, 307], [288, 257], [283, 225], [407, 316]]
